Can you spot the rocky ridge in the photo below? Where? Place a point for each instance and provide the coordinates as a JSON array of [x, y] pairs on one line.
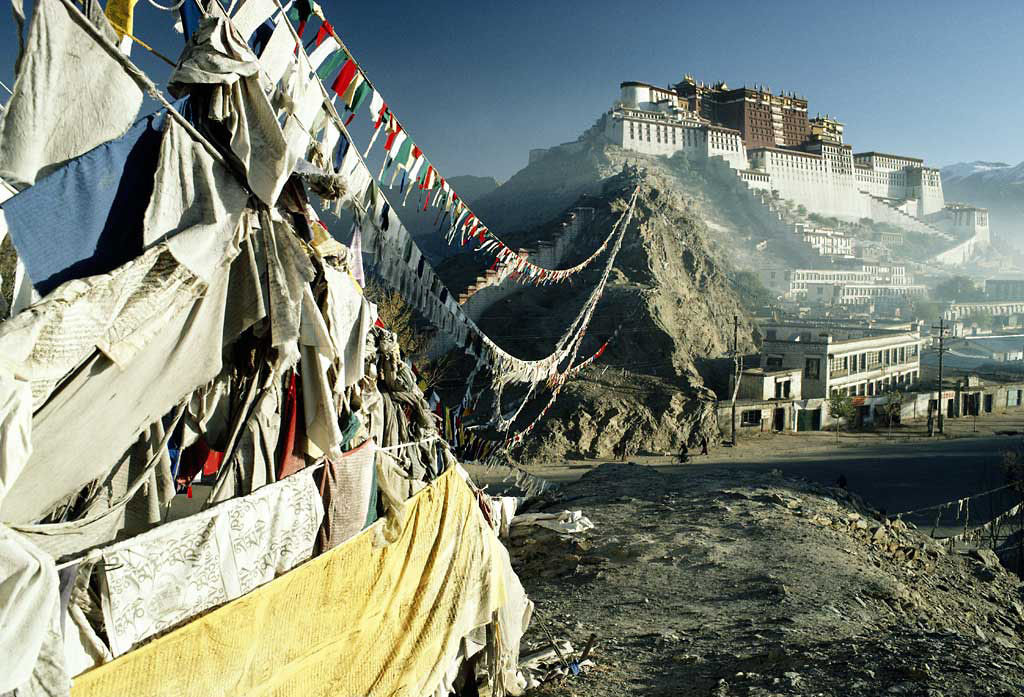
[[672, 303]]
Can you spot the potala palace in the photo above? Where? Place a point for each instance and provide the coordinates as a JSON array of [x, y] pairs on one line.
[[772, 145]]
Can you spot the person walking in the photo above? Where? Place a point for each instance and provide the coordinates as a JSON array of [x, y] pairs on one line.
[[704, 445]]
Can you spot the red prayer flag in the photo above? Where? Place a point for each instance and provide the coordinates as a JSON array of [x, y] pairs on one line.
[[345, 77], [391, 137], [325, 30]]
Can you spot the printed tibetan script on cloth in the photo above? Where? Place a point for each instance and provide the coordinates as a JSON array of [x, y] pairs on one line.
[[176, 571], [358, 621]]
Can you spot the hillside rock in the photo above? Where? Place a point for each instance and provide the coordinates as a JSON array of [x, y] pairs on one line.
[[736, 223], [672, 301], [733, 583]]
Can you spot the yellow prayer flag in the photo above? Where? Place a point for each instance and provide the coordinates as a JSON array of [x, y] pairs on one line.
[[120, 14]]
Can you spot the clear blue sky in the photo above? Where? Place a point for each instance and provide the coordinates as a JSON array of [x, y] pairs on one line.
[[478, 84]]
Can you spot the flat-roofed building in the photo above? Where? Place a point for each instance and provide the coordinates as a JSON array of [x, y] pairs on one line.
[[857, 361]]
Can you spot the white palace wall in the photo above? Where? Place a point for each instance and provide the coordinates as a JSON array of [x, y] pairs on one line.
[[813, 182], [655, 133]]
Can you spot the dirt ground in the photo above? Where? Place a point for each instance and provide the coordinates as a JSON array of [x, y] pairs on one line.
[[742, 583]]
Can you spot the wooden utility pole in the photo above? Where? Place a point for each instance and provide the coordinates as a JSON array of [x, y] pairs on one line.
[[942, 349], [737, 369]]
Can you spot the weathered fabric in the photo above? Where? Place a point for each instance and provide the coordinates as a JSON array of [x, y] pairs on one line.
[[250, 14], [30, 643], [69, 96], [289, 272], [359, 620], [52, 338], [255, 455], [182, 352], [318, 397], [84, 218], [15, 428], [161, 578], [350, 316], [196, 205], [346, 488], [216, 57]]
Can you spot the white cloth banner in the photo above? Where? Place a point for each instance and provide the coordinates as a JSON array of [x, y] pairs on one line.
[[162, 578]]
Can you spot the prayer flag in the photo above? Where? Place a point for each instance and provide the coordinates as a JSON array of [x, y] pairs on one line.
[[326, 30], [362, 92], [345, 78], [330, 64]]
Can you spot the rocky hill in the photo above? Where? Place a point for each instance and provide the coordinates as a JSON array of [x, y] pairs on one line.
[[993, 185], [672, 302], [741, 584], [735, 223], [471, 188]]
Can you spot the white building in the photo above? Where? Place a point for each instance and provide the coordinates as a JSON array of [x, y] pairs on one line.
[[826, 241], [850, 360], [822, 174], [655, 121], [879, 284]]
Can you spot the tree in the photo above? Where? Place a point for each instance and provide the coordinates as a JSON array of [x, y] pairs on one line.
[[958, 289], [925, 311], [801, 210], [752, 293], [840, 406], [892, 408], [397, 315]]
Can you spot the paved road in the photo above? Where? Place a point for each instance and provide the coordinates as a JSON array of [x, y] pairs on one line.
[[898, 477], [904, 474]]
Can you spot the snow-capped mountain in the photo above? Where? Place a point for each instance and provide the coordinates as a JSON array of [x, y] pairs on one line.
[[979, 170], [993, 185]]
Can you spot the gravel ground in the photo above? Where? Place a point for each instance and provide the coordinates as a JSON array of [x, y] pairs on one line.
[[728, 583]]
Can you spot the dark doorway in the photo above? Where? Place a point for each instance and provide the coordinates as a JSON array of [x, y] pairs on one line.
[[779, 421]]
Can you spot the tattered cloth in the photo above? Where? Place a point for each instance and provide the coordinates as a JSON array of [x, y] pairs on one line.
[[358, 621]]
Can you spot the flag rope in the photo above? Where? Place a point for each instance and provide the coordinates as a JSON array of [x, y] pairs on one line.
[[462, 217]]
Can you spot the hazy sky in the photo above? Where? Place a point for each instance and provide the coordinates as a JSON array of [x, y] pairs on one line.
[[478, 84]]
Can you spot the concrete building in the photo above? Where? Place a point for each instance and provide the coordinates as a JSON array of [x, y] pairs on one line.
[[881, 284], [765, 401], [826, 241], [764, 385], [863, 293], [851, 360]]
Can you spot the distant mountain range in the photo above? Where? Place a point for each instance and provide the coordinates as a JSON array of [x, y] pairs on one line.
[[997, 186], [471, 189]]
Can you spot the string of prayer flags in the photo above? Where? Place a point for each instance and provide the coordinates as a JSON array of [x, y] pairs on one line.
[[355, 89]]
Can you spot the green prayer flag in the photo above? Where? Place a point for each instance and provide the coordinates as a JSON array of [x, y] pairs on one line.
[[331, 64], [402, 158], [362, 92]]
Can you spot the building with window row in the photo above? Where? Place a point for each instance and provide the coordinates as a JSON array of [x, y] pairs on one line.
[[856, 361]]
